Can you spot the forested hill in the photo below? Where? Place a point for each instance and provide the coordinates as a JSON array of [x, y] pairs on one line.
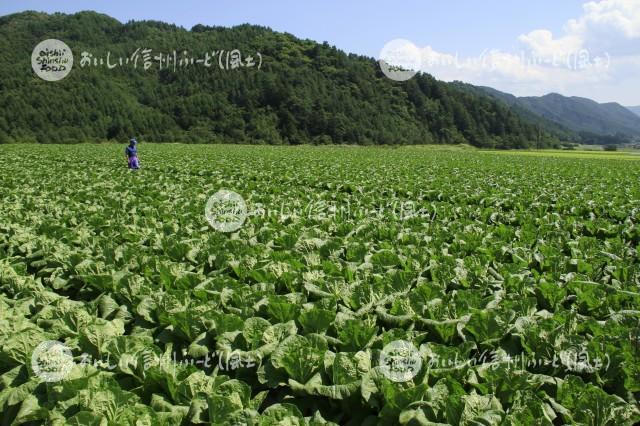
[[303, 91]]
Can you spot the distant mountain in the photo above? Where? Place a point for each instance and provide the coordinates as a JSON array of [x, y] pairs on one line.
[[635, 109], [552, 127], [584, 115], [576, 114]]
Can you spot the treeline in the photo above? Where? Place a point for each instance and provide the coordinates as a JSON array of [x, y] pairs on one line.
[[594, 139], [304, 92]]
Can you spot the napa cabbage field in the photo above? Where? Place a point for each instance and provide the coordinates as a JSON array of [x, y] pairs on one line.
[[363, 286]]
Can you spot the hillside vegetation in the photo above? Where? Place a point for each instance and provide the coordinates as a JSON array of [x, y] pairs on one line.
[[304, 92]]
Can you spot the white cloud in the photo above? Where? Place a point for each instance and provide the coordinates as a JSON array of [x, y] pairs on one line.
[[611, 25], [596, 55], [542, 43], [619, 17]]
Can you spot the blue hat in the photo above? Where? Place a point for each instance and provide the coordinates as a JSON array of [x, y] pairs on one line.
[[133, 141]]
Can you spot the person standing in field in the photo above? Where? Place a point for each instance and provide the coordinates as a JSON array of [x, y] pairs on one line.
[[131, 153]]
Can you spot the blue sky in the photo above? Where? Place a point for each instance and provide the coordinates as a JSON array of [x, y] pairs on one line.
[[464, 29], [465, 26]]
